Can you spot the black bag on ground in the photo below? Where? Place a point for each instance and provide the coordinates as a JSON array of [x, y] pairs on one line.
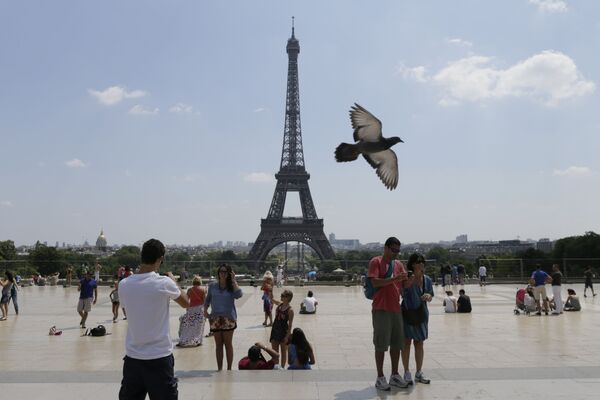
[[100, 330]]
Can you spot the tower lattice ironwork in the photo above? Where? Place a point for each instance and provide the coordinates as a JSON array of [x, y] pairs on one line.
[[292, 177]]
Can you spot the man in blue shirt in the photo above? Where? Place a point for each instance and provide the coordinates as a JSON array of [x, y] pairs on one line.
[[88, 289], [540, 278]]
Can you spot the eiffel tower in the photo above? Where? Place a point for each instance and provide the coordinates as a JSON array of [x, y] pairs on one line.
[[292, 177]]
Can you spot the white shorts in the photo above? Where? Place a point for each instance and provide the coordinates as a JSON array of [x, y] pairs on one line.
[[85, 305], [539, 292]]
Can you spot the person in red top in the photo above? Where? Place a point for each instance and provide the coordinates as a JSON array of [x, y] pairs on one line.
[[255, 359], [191, 324], [388, 328]]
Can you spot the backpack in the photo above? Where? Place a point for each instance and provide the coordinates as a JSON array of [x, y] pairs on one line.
[[369, 290], [100, 330]]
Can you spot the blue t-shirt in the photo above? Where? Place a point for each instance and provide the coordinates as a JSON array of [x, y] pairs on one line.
[[539, 277], [87, 288], [221, 301]]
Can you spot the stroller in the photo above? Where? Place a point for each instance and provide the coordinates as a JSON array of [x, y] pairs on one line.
[[524, 301]]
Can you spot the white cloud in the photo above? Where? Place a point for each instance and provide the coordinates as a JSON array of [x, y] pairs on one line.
[[260, 109], [459, 42], [259, 177], [412, 73], [115, 94], [181, 108], [551, 6], [75, 163], [573, 172], [141, 110], [6, 203], [549, 77]]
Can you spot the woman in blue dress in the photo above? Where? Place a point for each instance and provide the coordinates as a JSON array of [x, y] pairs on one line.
[[417, 292]]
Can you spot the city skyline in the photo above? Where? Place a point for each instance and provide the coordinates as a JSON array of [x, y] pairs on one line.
[[166, 120]]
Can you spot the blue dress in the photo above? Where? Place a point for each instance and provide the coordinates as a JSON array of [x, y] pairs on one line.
[[411, 299]]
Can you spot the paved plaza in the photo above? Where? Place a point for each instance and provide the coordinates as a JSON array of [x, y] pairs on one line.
[[489, 354]]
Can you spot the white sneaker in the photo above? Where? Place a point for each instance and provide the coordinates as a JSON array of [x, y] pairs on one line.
[[420, 377], [381, 383], [397, 381], [408, 377]]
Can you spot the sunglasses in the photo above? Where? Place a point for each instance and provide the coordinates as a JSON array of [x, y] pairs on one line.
[[395, 249]]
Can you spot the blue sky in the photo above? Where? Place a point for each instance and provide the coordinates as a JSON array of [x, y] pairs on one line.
[[165, 118]]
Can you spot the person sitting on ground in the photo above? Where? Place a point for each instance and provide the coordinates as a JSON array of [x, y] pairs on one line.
[[255, 359], [300, 352], [463, 302], [309, 304], [572, 303], [450, 305]]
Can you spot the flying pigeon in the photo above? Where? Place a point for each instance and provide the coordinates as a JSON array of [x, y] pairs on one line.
[[372, 145]]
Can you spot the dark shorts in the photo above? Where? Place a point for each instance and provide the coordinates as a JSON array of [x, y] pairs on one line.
[[153, 377], [5, 299], [388, 330], [588, 284]]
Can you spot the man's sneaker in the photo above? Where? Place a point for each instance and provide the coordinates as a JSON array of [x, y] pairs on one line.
[[408, 377], [420, 377], [397, 381], [381, 383]]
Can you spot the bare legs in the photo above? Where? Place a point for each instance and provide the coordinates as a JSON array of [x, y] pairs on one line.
[[4, 308], [224, 339], [115, 310], [281, 348], [419, 354], [84, 316], [394, 359]]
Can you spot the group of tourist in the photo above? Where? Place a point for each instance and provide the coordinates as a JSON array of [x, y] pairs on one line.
[[534, 298]]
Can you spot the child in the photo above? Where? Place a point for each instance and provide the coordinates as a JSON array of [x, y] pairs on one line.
[[267, 297], [114, 298], [282, 327], [300, 352], [572, 303]]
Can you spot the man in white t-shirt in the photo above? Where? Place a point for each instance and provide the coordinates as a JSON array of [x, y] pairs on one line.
[[450, 302], [482, 275], [309, 304], [149, 364]]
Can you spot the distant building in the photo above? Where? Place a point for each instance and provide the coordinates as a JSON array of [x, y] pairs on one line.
[[461, 239], [343, 244], [545, 245], [101, 243]]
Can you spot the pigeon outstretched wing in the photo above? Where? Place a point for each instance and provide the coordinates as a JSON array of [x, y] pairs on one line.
[[366, 126], [386, 165]]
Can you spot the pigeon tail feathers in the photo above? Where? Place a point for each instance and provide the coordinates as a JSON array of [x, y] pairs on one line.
[[346, 152]]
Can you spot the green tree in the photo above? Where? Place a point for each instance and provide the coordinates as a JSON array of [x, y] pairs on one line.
[[440, 254], [46, 260], [585, 246], [7, 250]]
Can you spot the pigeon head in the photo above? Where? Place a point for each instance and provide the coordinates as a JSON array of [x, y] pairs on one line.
[[393, 140]]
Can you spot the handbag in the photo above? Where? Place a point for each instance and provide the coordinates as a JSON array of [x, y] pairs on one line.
[[369, 290], [417, 315]]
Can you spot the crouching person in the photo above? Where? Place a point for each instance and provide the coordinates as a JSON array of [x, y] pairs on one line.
[[256, 360]]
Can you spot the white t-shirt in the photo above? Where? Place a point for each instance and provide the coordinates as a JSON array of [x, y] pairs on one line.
[[146, 298], [309, 304], [482, 271], [450, 304]]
